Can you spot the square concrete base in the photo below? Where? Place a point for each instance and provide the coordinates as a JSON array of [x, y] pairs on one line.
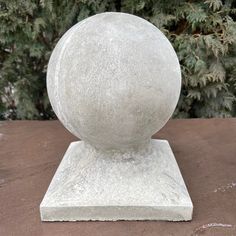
[[89, 185]]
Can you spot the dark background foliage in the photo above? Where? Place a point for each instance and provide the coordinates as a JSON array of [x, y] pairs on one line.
[[203, 34]]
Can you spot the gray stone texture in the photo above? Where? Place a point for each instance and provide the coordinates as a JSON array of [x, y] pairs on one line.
[[114, 80], [93, 185]]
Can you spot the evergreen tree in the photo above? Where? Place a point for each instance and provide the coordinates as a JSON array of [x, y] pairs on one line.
[[203, 34]]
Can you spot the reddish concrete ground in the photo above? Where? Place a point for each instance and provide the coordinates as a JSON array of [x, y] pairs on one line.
[[30, 152]]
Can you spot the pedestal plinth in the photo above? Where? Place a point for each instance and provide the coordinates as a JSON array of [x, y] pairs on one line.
[[144, 184]]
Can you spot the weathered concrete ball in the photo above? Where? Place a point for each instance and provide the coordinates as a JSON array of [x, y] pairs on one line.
[[114, 80]]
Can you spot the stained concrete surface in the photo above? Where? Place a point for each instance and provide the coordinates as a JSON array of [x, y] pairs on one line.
[[30, 152]]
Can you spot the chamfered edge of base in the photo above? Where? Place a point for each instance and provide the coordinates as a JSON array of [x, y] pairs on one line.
[[116, 213]]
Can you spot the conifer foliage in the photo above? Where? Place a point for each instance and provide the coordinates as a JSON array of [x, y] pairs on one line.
[[203, 34]]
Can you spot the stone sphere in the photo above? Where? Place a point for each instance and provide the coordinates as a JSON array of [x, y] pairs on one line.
[[114, 80]]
